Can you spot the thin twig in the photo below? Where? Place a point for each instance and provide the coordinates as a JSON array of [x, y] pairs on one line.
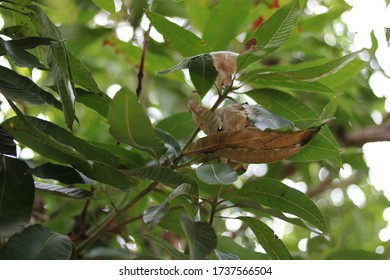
[[142, 62], [104, 226]]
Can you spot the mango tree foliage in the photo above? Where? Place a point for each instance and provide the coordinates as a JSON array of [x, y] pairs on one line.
[[141, 130]]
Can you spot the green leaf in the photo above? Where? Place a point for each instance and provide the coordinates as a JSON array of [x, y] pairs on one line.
[[81, 74], [153, 215], [225, 22], [74, 193], [18, 87], [274, 194], [168, 247], [16, 195], [271, 35], [216, 174], [183, 41], [322, 147], [130, 124], [330, 109], [37, 243], [18, 55], [57, 58], [253, 205], [31, 42], [183, 64], [7, 144], [292, 85], [161, 174], [201, 238], [274, 247], [33, 134], [80, 145], [313, 73], [107, 5], [225, 255], [202, 72], [191, 191], [169, 140], [64, 174], [179, 125], [227, 244], [100, 103], [198, 12]]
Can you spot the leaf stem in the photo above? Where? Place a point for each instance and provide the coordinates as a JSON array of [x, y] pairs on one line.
[[142, 62], [105, 225]]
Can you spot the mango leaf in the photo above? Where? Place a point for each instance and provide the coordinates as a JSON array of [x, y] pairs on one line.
[[251, 205], [74, 193], [198, 12], [30, 132], [183, 64], [216, 174], [64, 174], [227, 244], [321, 147], [153, 215], [225, 255], [37, 243], [274, 247], [31, 42], [65, 137], [266, 120], [18, 87], [179, 125], [7, 144], [161, 174], [169, 140], [312, 87], [58, 60], [252, 145], [207, 120], [274, 194], [271, 35], [224, 23], [130, 124], [185, 189], [19, 56], [81, 74], [183, 41], [107, 5], [168, 247], [201, 238], [16, 195], [310, 74], [202, 72], [100, 102]]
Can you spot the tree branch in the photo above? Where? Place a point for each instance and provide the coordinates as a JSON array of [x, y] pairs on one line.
[[142, 62], [367, 134]]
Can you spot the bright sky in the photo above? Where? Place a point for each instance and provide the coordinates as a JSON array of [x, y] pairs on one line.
[[364, 17]]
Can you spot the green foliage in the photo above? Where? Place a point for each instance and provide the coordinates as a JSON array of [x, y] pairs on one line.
[[109, 165]]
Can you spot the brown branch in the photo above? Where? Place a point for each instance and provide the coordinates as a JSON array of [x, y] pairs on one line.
[[329, 184], [367, 134], [142, 62]]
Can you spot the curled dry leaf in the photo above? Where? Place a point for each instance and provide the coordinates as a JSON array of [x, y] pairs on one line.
[[246, 133], [252, 145], [225, 63]]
